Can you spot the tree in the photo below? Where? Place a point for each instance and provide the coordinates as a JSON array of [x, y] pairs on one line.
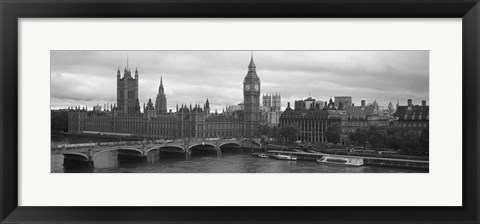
[[360, 136], [276, 132], [59, 121], [264, 130], [392, 137], [333, 133], [289, 133], [424, 140]]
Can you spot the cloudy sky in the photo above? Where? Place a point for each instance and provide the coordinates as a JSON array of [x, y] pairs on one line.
[[88, 78]]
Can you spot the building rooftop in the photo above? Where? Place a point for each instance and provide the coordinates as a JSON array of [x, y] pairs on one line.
[[416, 112]]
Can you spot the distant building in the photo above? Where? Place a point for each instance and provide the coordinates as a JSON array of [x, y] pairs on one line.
[[127, 92], [361, 117], [312, 123], [233, 108], [272, 101], [269, 117], [161, 101], [343, 101], [97, 108], [412, 116], [308, 104], [271, 110]]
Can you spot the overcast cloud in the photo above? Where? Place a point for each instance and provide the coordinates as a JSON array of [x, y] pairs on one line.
[[88, 78]]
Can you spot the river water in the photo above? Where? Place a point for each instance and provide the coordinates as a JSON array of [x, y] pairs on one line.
[[233, 162]]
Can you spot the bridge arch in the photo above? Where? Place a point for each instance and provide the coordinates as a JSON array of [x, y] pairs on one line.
[[189, 149], [165, 147], [230, 147], [78, 156], [203, 149], [118, 149], [230, 143], [152, 148]]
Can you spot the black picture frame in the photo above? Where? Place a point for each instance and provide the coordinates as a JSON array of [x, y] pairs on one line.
[[11, 11]]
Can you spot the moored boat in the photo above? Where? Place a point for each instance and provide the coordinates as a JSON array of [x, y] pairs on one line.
[[341, 160], [285, 157], [261, 155]]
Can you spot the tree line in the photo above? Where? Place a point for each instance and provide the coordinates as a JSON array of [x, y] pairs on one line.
[[396, 138], [59, 121], [392, 138]]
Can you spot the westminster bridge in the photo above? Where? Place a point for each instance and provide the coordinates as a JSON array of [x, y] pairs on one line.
[[84, 154]]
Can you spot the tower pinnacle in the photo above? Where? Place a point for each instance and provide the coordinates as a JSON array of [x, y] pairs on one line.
[[252, 63], [160, 89]]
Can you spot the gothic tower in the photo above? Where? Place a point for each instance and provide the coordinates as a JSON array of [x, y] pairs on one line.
[[161, 102], [251, 100], [127, 91], [276, 102], [206, 108]]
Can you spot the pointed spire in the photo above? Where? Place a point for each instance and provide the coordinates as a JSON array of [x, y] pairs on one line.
[[252, 63], [127, 63]]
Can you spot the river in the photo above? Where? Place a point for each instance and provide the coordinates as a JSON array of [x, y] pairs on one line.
[[235, 162]]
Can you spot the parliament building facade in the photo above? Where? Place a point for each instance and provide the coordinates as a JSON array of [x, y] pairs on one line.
[[188, 121]]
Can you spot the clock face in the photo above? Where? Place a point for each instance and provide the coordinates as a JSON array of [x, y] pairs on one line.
[[257, 87], [247, 87]]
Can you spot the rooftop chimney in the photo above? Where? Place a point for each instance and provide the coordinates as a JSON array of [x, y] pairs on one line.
[[363, 103], [424, 103], [409, 102]]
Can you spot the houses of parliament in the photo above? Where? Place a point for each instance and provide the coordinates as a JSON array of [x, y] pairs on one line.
[[188, 121]]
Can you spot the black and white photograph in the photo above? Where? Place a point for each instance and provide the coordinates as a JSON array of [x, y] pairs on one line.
[[239, 111]]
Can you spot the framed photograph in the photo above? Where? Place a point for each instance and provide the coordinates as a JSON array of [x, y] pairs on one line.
[[245, 112]]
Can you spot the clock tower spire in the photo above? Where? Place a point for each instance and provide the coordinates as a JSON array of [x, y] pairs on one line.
[[251, 100]]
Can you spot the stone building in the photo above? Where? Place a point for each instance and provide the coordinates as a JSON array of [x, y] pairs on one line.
[[309, 103], [161, 101], [251, 100], [273, 101], [343, 101], [271, 109], [312, 123], [362, 116], [156, 122], [412, 116], [127, 91]]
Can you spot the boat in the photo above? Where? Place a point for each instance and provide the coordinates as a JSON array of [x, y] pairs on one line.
[[285, 157], [261, 155], [341, 161]]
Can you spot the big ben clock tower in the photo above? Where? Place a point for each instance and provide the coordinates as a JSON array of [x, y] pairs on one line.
[[251, 100]]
